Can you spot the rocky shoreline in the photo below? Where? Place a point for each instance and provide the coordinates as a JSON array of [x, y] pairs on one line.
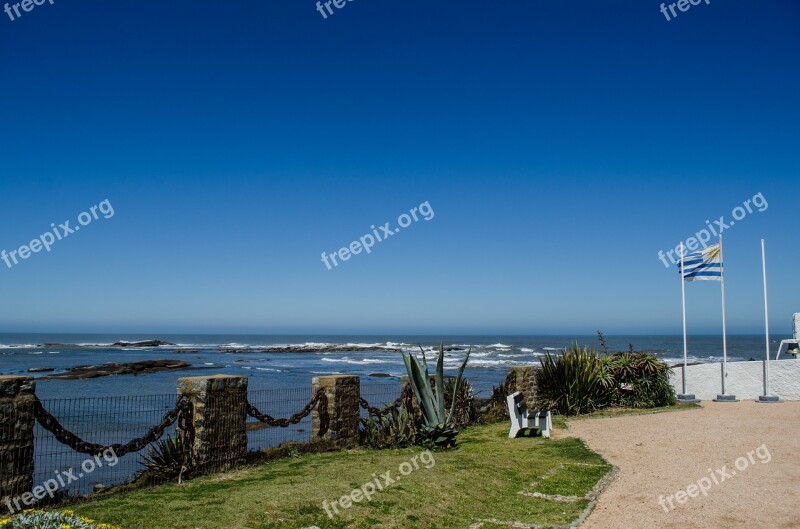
[[113, 368]]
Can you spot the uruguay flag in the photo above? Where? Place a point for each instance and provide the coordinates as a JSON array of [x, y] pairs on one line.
[[703, 265]]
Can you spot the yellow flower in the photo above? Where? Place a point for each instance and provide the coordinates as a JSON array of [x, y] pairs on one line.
[[65, 526], [5, 522]]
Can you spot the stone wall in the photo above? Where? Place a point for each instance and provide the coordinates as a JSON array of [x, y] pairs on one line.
[[16, 436]]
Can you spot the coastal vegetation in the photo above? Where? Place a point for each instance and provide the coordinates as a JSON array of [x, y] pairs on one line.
[[580, 381]]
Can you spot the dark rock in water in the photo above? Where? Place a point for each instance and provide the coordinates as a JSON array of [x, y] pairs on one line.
[[380, 375], [144, 343], [311, 348], [40, 370], [113, 368], [186, 351]]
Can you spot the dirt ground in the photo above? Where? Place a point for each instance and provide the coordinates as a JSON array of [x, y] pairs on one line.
[[661, 454]]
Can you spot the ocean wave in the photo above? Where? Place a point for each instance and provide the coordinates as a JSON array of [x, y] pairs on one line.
[[500, 346], [362, 362], [527, 350]]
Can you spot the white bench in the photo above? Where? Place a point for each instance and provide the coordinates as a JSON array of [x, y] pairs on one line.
[[520, 418]]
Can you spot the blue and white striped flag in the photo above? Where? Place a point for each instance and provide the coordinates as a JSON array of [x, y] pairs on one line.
[[703, 265]]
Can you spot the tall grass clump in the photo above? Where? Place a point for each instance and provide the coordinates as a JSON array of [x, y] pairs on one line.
[[571, 383], [581, 381]]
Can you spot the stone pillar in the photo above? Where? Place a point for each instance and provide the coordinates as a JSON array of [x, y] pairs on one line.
[[215, 435], [344, 411], [16, 436], [526, 383]]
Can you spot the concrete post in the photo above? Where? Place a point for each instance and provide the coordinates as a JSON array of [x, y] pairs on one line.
[[216, 434], [16, 438], [344, 393]]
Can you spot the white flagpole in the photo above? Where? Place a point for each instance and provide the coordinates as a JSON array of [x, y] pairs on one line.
[[724, 396], [766, 397], [683, 301], [684, 397]]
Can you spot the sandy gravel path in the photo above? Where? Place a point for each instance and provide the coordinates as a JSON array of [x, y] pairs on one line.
[[660, 454]]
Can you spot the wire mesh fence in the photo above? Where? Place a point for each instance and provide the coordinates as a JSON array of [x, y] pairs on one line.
[[67, 433], [278, 403], [100, 420], [379, 395]]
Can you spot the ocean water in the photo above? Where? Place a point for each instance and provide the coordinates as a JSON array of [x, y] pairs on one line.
[[491, 357]]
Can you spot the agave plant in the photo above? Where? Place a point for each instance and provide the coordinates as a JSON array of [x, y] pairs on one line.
[[438, 428], [165, 461]]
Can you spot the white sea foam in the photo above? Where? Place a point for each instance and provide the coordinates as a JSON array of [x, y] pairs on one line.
[[500, 346], [346, 360], [526, 350]]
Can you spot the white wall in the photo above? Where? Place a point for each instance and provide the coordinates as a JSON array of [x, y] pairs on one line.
[[745, 379]]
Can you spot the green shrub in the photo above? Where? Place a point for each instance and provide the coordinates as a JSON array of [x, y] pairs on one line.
[[495, 408], [466, 408], [571, 383], [580, 381], [393, 430]]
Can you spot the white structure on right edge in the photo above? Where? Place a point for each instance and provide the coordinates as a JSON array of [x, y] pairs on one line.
[[786, 345]]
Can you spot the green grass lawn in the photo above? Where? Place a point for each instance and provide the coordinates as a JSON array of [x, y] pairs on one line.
[[489, 477]]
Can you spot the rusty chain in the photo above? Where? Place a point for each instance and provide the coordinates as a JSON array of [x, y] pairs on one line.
[[405, 395], [64, 436], [320, 400]]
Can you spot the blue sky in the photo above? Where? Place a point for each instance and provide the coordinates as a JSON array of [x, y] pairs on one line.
[[560, 144]]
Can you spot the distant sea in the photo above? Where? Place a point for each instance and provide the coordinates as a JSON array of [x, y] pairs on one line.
[[490, 360]]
